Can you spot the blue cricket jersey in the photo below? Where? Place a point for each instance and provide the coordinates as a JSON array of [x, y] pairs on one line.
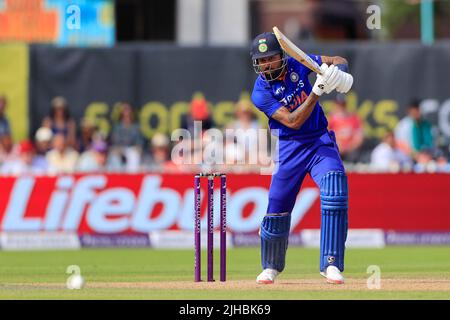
[[290, 92]]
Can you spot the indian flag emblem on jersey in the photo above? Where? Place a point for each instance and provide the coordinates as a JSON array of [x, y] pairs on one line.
[[262, 47]]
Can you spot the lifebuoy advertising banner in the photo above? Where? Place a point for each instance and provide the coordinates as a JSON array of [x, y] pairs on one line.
[[144, 203]]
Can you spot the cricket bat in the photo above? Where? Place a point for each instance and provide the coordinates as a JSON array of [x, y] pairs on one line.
[[295, 52]]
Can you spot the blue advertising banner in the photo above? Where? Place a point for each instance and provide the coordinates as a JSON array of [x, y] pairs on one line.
[[85, 22], [63, 22]]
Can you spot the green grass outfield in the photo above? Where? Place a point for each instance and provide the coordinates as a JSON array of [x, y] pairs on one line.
[[406, 273]]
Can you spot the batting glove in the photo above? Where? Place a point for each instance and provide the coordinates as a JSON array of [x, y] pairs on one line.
[[320, 84], [345, 83], [332, 77]]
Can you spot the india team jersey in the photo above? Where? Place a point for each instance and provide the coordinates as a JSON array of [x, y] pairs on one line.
[[290, 92]]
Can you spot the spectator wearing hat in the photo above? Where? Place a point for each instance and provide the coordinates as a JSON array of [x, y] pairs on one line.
[[245, 126], [94, 159], [245, 116], [158, 158], [348, 128], [60, 121], [62, 158], [4, 123], [43, 142], [23, 163]]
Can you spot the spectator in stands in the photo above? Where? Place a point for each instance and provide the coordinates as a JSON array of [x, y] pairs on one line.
[[403, 130], [4, 123], [43, 142], [24, 163], [245, 120], [443, 164], [95, 158], [422, 136], [126, 140], [415, 137], [199, 115], [8, 152], [245, 116], [185, 156], [159, 157], [62, 158], [235, 157], [199, 111], [60, 121], [87, 134], [348, 129], [126, 132], [387, 156]]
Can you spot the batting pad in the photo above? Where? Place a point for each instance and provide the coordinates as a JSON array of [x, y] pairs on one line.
[[274, 240], [334, 221]]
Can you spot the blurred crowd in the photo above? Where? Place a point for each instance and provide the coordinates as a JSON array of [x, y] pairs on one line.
[[61, 145], [411, 146]]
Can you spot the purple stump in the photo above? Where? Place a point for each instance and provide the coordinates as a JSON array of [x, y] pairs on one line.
[[223, 227], [197, 229], [210, 222]]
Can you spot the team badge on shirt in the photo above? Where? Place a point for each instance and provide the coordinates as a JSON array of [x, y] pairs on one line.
[[294, 77]]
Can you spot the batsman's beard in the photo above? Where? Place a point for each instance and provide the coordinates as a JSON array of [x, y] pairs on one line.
[[273, 75], [270, 74]]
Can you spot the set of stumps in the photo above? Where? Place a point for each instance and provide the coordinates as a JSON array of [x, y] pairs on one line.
[[210, 225]]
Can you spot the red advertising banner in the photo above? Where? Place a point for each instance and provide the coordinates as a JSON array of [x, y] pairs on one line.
[[141, 203]]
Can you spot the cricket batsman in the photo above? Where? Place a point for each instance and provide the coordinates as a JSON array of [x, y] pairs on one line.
[[282, 91]]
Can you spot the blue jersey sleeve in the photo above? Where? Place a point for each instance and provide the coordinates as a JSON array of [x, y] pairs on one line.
[[317, 59], [302, 69], [265, 102]]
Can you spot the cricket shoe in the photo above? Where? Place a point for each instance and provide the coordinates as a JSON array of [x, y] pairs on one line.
[[333, 275], [267, 276]]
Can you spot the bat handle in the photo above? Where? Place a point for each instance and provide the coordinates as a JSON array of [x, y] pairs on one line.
[[319, 70]]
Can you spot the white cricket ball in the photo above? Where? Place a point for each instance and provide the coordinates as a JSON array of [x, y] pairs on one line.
[[75, 282]]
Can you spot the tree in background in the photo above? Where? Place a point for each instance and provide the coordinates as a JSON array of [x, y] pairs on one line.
[[401, 19]]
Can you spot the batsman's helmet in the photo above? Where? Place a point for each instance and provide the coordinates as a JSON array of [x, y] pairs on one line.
[[265, 45]]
